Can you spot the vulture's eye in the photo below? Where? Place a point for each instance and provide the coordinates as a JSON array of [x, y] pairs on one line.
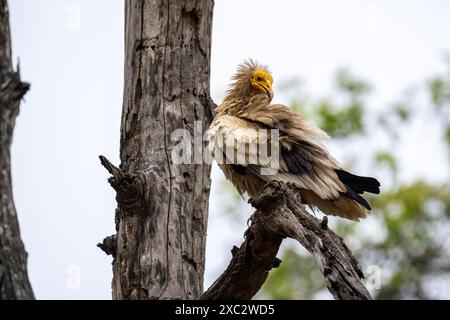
[[258, 78]]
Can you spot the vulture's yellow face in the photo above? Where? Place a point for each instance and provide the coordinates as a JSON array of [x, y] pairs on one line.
[[261, 81]]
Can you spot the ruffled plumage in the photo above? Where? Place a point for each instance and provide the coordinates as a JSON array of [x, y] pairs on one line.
[[246, 116]]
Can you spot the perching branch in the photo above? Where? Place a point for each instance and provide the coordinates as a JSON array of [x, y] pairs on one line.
[[109, 245], [281, 214], [250, 265]]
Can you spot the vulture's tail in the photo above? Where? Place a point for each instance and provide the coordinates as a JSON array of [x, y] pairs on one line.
[[357, 183]]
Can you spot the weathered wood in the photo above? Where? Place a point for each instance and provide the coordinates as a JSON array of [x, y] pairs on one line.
[[162, 206], [249, 267], [281, 214], [14, 283]]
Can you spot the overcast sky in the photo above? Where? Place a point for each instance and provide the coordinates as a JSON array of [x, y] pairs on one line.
[[72, 54]]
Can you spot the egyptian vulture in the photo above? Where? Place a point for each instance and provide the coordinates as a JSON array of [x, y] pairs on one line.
[[242, 136]]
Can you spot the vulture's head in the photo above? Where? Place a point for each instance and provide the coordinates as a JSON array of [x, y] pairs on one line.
[[251, 78]]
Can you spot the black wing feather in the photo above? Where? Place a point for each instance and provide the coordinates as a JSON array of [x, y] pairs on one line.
[[357, 183], [296, 160], [353, 195]]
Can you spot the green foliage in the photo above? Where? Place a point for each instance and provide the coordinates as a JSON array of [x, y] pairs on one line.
[[339, 122], [402, 112], [413, 215], [439, 88], [296, 278], [447, 136], [386, 158], [349, 83], [440, 91]]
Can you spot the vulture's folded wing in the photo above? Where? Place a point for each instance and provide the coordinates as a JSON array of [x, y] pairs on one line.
[[235, 141], [302, 159], [283, 118]]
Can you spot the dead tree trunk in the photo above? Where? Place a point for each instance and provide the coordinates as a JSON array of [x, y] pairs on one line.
[[14, 283], [159, 249]]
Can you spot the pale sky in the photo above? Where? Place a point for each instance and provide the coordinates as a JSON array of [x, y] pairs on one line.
[[72, 113]]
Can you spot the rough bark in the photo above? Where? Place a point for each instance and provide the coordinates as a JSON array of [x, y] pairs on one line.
[[162, 209], [14, 283], [281, 214]]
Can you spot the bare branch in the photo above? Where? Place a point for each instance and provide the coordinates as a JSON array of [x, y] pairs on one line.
[[109, 245], [250, 265], [281, 214]]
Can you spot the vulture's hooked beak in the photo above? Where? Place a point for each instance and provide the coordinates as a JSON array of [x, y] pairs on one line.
[[268, 89]]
